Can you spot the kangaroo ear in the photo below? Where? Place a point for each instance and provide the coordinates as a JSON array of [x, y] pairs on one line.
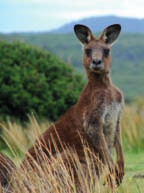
[[110, 34], [83, 33]]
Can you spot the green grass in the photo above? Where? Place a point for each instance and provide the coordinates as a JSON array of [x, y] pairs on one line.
[[134, 170]]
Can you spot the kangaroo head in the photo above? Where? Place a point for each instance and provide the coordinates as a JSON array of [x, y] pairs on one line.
[[97, 51]]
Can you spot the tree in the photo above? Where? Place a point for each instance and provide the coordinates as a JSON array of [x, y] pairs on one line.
[[35, 81]]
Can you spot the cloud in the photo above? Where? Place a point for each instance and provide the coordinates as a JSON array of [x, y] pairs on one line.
[[39, 15]]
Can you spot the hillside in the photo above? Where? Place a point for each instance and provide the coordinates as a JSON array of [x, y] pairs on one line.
[[129, 25], [127, 63]]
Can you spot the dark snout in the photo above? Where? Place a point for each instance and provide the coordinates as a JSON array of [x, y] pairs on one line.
[[96, 64]]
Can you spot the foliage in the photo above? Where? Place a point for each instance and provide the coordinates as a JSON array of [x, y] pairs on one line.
[[127, 53], [35, 81]]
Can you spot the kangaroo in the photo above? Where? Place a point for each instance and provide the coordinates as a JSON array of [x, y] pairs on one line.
[[96, 116]]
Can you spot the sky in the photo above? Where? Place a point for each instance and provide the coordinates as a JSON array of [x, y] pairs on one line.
[[45, 15]]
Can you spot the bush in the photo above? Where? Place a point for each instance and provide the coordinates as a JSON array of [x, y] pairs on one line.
[[34, 81]]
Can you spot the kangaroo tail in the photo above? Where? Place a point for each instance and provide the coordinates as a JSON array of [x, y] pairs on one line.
[[6, 168]]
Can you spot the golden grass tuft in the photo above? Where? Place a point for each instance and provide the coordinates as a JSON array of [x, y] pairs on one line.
[[55, 176], [133, 127]]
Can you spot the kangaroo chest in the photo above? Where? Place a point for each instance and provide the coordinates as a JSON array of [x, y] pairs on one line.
[[110, 116]]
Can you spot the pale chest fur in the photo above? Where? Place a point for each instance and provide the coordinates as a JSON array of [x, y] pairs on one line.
[[110, 116], [105, 115]]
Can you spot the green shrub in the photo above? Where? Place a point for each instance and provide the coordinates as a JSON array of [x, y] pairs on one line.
[[34, 81]]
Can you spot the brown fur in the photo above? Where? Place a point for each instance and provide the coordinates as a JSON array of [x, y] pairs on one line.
[[95, 118], [6, 168]]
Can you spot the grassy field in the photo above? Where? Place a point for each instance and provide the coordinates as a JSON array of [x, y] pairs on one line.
[[18, 140], [134, 173]]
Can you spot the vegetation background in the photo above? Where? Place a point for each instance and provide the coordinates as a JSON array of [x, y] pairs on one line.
[[35, 81], [127, 63], [41, 76]]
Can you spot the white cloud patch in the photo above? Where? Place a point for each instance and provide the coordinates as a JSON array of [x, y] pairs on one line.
[[28, 15]]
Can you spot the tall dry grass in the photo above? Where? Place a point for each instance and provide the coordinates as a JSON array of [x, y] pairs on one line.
[[55, 177], [133, 126]]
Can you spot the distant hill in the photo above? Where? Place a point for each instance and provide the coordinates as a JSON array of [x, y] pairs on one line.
[[129, 25], [127, 53]]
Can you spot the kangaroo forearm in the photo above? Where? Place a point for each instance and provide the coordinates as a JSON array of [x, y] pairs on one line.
[[118, 145]]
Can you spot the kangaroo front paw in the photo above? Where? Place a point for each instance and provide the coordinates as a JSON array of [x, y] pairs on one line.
[[119, 172]]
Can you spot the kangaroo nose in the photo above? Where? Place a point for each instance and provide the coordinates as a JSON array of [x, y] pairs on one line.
[[96, 61]]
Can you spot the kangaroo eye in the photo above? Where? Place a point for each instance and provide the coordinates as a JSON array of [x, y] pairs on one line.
[[106, 52], [88, 52]]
